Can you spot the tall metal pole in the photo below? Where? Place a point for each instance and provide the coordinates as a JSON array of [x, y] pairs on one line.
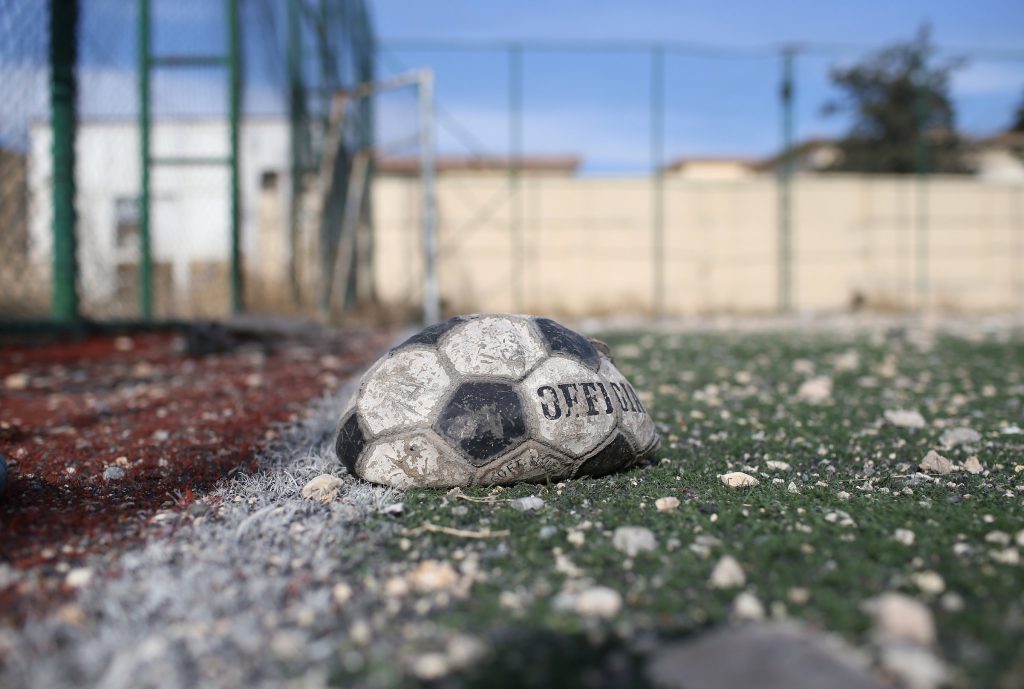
[[63, 119], [921, 165], [145, 105], [658, 178], [785, 186], [234, 115], [296, 110], [431, 292], [515, 146]]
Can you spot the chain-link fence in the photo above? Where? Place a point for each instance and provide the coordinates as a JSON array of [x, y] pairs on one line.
[[164, 149], [228, 156], [589, 177], [25, 289]]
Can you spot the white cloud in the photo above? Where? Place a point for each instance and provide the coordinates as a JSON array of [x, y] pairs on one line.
[[984, 79]]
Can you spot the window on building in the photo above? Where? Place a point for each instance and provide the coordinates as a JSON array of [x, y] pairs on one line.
[[126, 221]]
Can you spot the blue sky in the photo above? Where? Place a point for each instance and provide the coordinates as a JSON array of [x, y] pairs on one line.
[[597, 104]]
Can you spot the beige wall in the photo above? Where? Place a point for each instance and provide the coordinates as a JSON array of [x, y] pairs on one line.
[[587, 249]]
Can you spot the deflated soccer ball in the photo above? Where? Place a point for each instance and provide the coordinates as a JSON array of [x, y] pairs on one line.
[[493, 399]]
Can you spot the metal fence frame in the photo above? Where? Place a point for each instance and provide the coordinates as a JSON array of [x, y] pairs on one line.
[[788, 56]]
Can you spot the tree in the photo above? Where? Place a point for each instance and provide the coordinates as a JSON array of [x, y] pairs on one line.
[[1018, 118], [903, 117]]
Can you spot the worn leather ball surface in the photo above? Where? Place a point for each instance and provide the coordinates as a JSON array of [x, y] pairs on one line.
[[493, 399]]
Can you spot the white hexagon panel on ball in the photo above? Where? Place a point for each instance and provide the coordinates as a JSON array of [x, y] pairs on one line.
[[412, 460], [635, 420], [573, 408], [530, 462], [403, 390], [494, 346]]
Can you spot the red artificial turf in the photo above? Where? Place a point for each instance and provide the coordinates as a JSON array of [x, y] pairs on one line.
[[175, 424]]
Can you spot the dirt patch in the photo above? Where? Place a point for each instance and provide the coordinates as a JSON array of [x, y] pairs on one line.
[[101, 432]]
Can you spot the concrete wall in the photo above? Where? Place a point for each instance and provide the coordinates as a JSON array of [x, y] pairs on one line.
[[586, 244]]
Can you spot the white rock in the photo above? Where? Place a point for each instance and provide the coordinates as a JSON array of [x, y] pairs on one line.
[[929, 582], [531, 503], [804, 367], [915, 667], [599, 601], [16, 381], [395, 508], [905, 418], [430, 666], [78, 577], [997, 537], [959, 436], [433, 575], [934, 463], [324, 488], [952, 601], [464, 651], [1019, 538], [341, 592], [898, 617], [973, 465], [667, 504], [817, 390], [1009, 556], [847, 361], [737, 479], [634, 539], [798, 595], [113, 473], [777, 465], [746, 606], [727, 574], [792, 488], [904, 536]]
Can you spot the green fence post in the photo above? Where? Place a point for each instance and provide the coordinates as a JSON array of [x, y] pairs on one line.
[[921, 165], [63, 123], [234, 114], [145, 245], [658, 172], [295, 113], [785, 181]]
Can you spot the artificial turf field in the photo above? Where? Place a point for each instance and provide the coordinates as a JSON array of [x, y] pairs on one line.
[[254, 585], [816, 541]]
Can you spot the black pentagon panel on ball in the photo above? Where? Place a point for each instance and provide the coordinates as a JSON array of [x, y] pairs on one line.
[[616, 455], [430, 335], [561, 340], [483, 420], [350, 442]]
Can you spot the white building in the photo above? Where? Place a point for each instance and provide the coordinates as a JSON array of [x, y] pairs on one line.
[[189, 211]]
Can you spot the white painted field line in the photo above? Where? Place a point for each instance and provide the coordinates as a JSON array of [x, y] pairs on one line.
[[230, 598]]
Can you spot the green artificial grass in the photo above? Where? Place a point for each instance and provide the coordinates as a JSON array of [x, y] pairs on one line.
[[815, 541]]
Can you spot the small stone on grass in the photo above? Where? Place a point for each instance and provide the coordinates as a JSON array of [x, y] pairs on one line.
[[905, 418], [632, 540], [531, 503], [599, 601], [737, 479], [747, 607], [959, 436], [934, 463], [324, 488], [898, 617], [727, 574]]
